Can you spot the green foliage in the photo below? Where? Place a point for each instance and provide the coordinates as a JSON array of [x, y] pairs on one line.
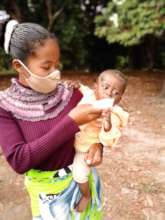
[[72, 36], [122, 61], [129, 23], [74, 23], [4, 60], [162, 59]]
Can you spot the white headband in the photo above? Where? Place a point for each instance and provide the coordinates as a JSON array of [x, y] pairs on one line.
[[3, 16], [8, 32]]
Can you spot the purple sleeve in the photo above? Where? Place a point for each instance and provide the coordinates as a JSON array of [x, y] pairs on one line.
[[21, 155]]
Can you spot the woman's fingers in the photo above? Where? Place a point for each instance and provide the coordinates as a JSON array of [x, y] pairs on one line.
[[85, 113], [97, 123], [74, 84]]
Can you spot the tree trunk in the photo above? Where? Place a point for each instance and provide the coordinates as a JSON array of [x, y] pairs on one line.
[[13, 9], [150, 47], [162, 94], [52, 15]]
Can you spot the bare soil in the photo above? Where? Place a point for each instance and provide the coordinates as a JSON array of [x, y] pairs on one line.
[[132, 173]]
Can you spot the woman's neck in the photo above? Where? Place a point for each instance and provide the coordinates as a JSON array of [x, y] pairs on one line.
[[22, 80]]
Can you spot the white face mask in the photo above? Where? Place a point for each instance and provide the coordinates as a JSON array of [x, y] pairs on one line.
[[44, 84]]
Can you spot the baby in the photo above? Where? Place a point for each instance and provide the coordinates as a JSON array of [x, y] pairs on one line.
[[107, 93]]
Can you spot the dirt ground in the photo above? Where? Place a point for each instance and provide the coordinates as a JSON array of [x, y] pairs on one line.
[[132, 173]]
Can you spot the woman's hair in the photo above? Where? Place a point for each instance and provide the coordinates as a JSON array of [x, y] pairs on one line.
[[24, 39]]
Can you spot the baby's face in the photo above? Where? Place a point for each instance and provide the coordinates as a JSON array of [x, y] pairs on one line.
[[109, 86]]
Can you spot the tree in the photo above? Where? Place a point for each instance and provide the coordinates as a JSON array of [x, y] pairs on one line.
[[128, 26], [72, 22], [131, 23]]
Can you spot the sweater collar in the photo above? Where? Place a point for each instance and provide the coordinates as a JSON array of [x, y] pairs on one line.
[[27, 104]]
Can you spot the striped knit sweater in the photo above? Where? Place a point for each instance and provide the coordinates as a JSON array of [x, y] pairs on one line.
[[45, 144]]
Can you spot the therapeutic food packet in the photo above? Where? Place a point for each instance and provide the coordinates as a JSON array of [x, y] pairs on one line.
[[104, 103]]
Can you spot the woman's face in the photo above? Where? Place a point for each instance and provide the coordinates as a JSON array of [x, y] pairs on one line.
[[45, 58]]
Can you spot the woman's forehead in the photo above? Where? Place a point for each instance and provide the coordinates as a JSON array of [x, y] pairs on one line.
[[48, 52]]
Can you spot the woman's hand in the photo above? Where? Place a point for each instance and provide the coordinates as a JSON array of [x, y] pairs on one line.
[[85, 113], [74, 84], [94, 154]]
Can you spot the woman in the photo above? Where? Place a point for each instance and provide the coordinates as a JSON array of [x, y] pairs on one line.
[[38, 122]]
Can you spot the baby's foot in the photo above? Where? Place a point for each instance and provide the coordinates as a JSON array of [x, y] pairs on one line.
[[82, 204]]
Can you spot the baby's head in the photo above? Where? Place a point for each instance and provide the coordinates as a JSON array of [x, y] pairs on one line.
[[110, 83]]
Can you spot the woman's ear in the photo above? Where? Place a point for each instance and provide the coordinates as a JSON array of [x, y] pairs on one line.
[[17, 66]]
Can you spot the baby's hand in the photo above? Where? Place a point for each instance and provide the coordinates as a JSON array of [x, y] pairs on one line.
[[106, 120], [73, 84]]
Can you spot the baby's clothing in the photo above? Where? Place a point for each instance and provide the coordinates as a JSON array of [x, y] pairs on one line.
[[90, 134]]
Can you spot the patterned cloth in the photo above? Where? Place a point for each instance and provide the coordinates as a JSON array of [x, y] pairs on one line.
[[48, 205]]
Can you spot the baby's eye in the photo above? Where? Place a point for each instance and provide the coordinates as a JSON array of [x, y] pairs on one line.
[[115, 93], [105, 86]]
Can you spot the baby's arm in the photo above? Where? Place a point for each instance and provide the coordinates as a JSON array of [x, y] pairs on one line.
[[119, 119], [106, 120], [105, 104]]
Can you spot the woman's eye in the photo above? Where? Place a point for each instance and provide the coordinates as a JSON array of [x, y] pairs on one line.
[[46, 67]]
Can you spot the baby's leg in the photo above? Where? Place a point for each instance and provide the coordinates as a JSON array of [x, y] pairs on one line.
[[80, 174], [86, 197]]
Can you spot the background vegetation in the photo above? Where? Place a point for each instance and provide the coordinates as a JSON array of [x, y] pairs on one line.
[[99, 34]]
